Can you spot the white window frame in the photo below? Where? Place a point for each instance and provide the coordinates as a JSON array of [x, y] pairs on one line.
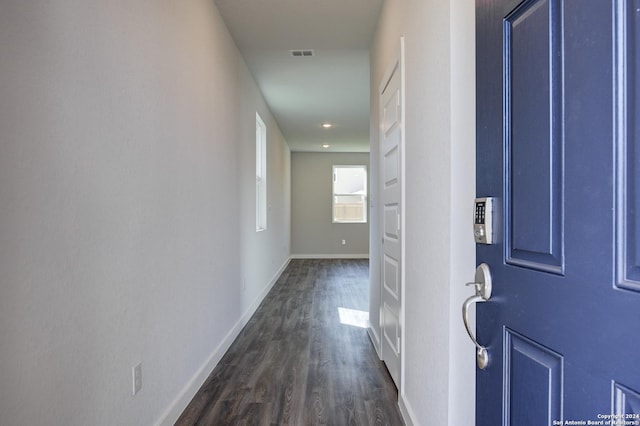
[[261, 174], [334, 195]]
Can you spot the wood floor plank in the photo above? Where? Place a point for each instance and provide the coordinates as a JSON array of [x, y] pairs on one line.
[[296, 362]]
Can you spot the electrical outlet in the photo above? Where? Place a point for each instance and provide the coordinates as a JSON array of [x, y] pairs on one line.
[[344, 242], [136, 372]]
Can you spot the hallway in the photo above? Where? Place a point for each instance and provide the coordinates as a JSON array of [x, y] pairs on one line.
[[130, 253], [303, 358]]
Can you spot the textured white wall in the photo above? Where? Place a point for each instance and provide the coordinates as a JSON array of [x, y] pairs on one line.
[[312, 230], [262, 253], [438, 381], [123, 206]]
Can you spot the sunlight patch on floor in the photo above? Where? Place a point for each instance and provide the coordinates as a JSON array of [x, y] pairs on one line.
[[354, 317]]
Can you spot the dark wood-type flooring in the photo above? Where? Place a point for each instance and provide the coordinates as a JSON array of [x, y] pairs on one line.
[[295, 363]]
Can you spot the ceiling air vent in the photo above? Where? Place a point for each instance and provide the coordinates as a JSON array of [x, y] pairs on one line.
[[301, 53]]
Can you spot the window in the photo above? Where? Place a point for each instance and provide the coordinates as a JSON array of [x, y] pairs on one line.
[[349, 194], [261, 174]]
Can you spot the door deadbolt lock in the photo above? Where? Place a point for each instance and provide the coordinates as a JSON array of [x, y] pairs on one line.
[[484, 217]]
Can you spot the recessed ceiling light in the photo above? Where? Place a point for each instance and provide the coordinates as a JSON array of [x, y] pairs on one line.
[[300, 53], [327, 125], [326, 145]]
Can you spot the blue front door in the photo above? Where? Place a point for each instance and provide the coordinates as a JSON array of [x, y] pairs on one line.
[[558, 143]]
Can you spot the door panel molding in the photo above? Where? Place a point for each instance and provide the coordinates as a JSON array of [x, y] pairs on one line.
[[533, 381], [391, 276], [627, 59], [391, 167], [625, 401], [533, 168], [391, 331]]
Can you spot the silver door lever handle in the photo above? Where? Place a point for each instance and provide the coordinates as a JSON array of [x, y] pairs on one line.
[[482, 285]]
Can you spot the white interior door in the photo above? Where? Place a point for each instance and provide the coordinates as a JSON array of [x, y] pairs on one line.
[[391, 136]]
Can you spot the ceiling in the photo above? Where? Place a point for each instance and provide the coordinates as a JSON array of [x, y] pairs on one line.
[[332, 86]]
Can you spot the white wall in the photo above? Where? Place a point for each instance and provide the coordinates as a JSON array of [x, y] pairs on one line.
[[262, 253], [312, 232], [126, 214], [439, 361]]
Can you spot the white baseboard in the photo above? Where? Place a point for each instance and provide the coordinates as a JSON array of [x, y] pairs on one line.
[[373, 335], [176, 408], [330, 256], [406, 411]]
